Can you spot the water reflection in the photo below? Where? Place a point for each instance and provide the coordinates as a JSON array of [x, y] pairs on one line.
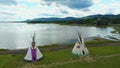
[[18, 35]]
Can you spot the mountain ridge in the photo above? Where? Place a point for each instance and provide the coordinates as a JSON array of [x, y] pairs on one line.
[[99, 16]]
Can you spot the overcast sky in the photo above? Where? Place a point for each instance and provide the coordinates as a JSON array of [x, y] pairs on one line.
[[29, 9]]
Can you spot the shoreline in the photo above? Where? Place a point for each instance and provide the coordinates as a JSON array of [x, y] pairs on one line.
[[56, 47], [109, 38], [104, 51]]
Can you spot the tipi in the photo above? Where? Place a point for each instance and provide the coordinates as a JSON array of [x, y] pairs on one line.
[[33, 53], [79, 48]]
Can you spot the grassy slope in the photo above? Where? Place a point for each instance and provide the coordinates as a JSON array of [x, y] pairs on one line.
[[98, 41], [65, 55], [54, 59], [3, 50], [112, 62], [117, 28]]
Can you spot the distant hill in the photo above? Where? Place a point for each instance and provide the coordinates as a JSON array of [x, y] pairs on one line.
[[98, 16], [111, 16], [52, 19]]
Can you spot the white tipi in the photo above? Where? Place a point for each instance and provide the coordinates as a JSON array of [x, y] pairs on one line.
[[33, 53], [79, 48]]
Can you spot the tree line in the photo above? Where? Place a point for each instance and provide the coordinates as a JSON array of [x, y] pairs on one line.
[[87, 21]]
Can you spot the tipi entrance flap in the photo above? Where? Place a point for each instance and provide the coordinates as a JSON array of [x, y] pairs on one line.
[[79, 47]]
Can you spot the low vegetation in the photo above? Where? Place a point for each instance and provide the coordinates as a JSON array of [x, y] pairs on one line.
[[96, 20], [99, 57], [117, 28], [49, 46], [3, 49], [98, 41]]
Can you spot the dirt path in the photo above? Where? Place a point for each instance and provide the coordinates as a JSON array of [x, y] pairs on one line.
[[23, 51], [87, 58]]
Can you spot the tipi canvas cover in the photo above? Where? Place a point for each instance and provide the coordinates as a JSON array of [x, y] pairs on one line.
[[36, 52], [79, 48], [33, 53]]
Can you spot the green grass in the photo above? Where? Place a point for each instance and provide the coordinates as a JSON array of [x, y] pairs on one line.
[[49, 46], [61, 56], [57, 56], [96, 41], [12, 61], [9, 61], [3, 49], [117, 29], [99, 63], [104, 50], [99, 41], [4, 59]]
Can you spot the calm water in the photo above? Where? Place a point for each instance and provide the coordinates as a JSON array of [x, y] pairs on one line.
[[18, 35]]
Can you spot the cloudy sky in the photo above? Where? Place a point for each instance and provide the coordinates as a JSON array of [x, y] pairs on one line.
[[29, 9]]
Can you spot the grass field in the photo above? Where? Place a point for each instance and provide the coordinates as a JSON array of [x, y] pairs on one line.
[[99, 57]]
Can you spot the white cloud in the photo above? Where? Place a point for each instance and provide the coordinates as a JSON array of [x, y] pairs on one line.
[[73, 4], [23, 11], [29, 9], [96, 1], [8, 2], [105, 8]]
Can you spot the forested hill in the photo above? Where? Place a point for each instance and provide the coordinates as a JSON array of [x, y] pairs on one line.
[[111, 16], [89, 20]]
